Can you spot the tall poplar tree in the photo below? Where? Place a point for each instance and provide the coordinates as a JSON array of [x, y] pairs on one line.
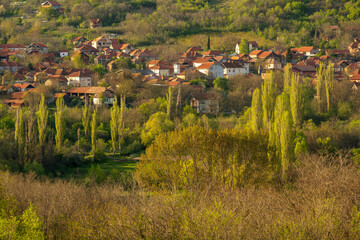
[[329, 84], [168, 101], [86, 115], [42, 117], [287, 76], [121, 123], [268, 100], [320, 86], [114, 113], [256, 110], [59, 122], [19, 133], [286, 140], [93, 135], [295, 101]]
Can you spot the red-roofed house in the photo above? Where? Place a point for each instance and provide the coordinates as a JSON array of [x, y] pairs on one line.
[[255, 54], [308, 51], [211, 69], [38, 47], [53, 4], [101, 42], [10, 66], [79, 78], [213, 53], [95, 23], [79, 40]]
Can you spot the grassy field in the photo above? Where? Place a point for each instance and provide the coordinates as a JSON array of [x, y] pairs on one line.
[[108, 168]]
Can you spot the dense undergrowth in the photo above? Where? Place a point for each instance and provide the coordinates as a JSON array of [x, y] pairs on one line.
[[321, 202]]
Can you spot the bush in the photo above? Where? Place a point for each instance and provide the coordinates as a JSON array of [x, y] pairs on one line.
[[34, 167]]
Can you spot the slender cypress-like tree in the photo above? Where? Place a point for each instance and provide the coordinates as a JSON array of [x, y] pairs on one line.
[[287, 76], [168, 101], [121, 123], [19, 133], [59, 123], [30, 138], [268, 100], [329, 84], [256, 110], [286, 140], [208, 43], [42, 117], [86, 115], [93, 135], [295, 101], [114, 113], [320, 86]]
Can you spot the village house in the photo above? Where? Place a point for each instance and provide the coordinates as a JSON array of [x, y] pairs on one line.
[[309, 51], [101, 42], [63, 53], [255, 54], [13, 47], [53, 4], [272, 64], [79, 40], [211, 69], [204, 103], [10, 66], [37, 47], [213, 53], [95, 23], [233, 68], [89, 50], [79, 78], [22, 87], [100, 95]]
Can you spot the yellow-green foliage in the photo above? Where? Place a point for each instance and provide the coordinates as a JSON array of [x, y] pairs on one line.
[[183, 159]]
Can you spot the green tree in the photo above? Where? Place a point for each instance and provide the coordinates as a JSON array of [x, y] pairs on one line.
[[42, 118], [121, 122], [159, 122], [86, 119], [114, 112], [59, 122], [93, 135], [244, 46], [221, 83], [295, 100], [168, 101], [320, 86], [286, 140], [78, 62], [268, 100], [256, 117], [329, 85]]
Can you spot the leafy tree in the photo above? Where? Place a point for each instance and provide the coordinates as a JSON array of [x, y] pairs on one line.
[[329, 84], [159, 122], [268, 100], [244, 46], [86, 118], [78, 62], [295, 101], [256, 117], [121, 122], [221, 83], [114, 112], [93, 135], [59, 122], [168, 101], [286, 140], [42, 118]]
